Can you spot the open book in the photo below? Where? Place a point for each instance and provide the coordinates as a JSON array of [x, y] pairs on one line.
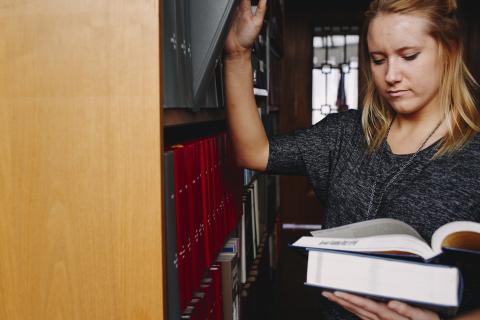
[[390, 236]]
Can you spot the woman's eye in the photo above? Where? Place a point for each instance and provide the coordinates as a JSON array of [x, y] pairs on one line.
[[411, 57], [377, 61]]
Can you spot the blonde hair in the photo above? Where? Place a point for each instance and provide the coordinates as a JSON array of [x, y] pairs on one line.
[[459, 108]]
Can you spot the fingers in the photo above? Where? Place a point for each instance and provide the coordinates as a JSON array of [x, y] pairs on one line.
[[412, 312], [245, 4], [261, 9], [363, 314], [370, 309]]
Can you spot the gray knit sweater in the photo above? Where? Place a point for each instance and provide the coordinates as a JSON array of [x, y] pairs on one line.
[[427, 193]]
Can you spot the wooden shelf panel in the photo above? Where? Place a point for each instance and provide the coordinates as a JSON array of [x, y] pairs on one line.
[[178, 117]]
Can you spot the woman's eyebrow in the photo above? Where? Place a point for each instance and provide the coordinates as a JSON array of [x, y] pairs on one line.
[[406, 48], [402, 49]]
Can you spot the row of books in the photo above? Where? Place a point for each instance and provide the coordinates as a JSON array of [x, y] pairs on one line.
[[194, 33], [269, 122], [203, 205], [223, 296], [257, 293], [229, 261], [206, 303], [257, 218], [177, 72], [247, 290]]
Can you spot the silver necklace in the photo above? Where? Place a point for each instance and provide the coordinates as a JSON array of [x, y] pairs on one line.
[[399, 171]]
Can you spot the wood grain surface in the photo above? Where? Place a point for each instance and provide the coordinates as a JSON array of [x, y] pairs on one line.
[[80, 160]]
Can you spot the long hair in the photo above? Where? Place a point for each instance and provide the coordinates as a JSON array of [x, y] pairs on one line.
[[456, 99]]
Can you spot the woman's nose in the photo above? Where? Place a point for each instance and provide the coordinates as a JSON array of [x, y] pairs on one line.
[[393, 74]]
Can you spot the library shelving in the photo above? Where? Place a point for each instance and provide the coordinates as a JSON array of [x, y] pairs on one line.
[[226, 203], [89, 108]]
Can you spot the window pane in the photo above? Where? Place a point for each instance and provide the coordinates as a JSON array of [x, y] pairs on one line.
[[317, 116], [351, 88], [318, 95], [341, 49]]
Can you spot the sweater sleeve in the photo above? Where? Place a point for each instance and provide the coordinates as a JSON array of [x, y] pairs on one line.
[[307, 152]]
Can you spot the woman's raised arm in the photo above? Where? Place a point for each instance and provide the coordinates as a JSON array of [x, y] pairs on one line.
[[246, 129]]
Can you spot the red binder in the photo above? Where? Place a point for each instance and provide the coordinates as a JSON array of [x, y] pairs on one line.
[[180, 201]]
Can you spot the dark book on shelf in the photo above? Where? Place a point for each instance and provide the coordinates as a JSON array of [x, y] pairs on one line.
[[171, 55], [209, 21], [173, 297], [177, 55], [185, 50], [247, 250]]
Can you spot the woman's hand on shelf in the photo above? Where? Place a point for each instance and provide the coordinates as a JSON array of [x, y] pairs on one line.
[[244, 28]]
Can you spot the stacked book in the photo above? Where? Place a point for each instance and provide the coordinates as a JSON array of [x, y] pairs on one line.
[[203, 205], [386, 259]]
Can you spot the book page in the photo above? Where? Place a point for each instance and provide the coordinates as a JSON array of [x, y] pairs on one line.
[[384, 226], [457, 235], [395, 243]]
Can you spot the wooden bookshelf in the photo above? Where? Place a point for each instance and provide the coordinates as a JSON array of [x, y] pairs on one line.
[[184, 116], [178, 117], [80, 165]]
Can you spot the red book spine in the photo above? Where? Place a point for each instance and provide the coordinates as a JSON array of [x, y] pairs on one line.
[[221, 175], [199, 230], [215, 196], [193, 267], [211, 201], [216, 274], [204, 202], [208, 301], [178, 155], [206, 199]]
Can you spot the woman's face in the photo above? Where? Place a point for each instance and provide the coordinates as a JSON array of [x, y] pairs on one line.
[[405, 63]]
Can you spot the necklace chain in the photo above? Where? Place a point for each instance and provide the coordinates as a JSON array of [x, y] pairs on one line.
[[400, 170]]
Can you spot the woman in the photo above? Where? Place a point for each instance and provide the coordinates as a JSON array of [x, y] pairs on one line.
[[410, 154]]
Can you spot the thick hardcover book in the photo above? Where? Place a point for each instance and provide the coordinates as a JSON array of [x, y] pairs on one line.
[[216, 274], [171, 44], [435, 287], [390, 236], [253, 216], [173, 297], [209, 21], [205, 204], [180, 203], [247, 237], [401, 258], [185, 50], [206, 289], [230, 285], [195, 269], [198, 207], [258, 212]]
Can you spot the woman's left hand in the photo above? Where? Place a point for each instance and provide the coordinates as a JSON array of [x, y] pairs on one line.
[[367, 309]]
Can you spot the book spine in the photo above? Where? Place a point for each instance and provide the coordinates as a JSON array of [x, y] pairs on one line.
[[173, 297]]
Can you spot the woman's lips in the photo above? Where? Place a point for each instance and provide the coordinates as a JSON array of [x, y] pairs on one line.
[[396, 93]]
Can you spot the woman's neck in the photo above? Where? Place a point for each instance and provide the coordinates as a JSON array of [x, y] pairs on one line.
[[409, 132]]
